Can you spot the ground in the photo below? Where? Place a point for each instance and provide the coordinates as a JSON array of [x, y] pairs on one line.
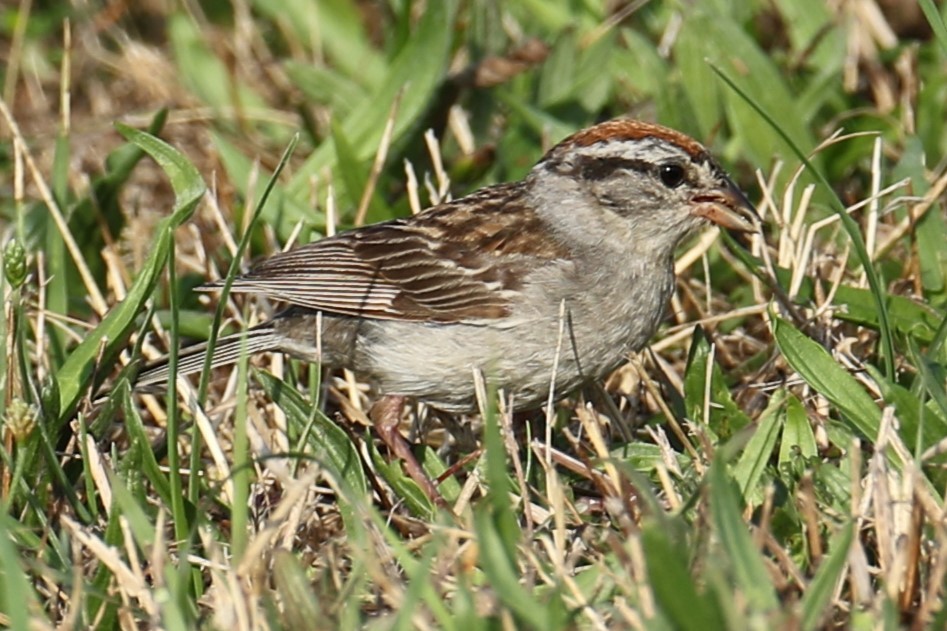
[[773, 460]]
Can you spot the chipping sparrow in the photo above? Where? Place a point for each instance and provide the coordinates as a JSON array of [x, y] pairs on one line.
[[584, 244]]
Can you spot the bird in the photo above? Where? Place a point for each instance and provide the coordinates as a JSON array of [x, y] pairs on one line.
[[488, 282]]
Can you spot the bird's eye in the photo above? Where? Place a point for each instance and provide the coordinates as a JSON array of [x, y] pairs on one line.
[[671, 174]]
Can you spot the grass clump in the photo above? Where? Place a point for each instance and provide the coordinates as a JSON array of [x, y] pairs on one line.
[[775, 460]]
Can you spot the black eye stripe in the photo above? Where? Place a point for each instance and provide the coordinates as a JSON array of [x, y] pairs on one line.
[[671, 173], [603, 168]]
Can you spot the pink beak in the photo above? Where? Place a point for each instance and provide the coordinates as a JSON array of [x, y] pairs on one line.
[[728, 208]]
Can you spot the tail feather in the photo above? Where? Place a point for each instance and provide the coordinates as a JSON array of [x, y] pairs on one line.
[[227, 351]]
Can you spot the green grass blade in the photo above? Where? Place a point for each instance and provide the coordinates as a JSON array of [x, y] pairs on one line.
[[497, 476], [235, 266], [414, 74], [500, 569], [137, 434], [936, 21], [203, 72], [849, 224], [419, 584], [338, 28], [172, 435], [329, 443], [675, 590], [819, 594], [193, 486], [919, 320], [283, 211], [716, 35], [242, 465], [301, 608], [77, 370], [759, 449], [931, 242], [130, 507], [749, 571], [17, 599]]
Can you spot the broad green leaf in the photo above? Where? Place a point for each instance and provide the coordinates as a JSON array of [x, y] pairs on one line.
[[804, 21], [557, 73], [593, 87], [828, 378], [403, 485], [572, 72], [726, 417], [919, 426], [932, 377], [651, 69], [797, 432], [833, 484], [352, 172], [558, 16], [644, 457], [109, 335], [702, 88], [906, 316], [931, 238]]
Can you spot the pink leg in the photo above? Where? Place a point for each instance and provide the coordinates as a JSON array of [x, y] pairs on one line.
[[386, 416]]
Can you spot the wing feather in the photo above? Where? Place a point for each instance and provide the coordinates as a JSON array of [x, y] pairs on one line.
[[461, 261]]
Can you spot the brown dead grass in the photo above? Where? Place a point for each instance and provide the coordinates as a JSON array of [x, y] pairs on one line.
[[121, 71]]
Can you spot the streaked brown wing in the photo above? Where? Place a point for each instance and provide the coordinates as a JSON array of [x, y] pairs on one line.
[[455, 262]]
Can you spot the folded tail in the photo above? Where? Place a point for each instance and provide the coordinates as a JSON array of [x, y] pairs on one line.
[[227, 351]]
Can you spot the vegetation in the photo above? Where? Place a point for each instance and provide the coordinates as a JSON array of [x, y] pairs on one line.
[[775, 460]]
